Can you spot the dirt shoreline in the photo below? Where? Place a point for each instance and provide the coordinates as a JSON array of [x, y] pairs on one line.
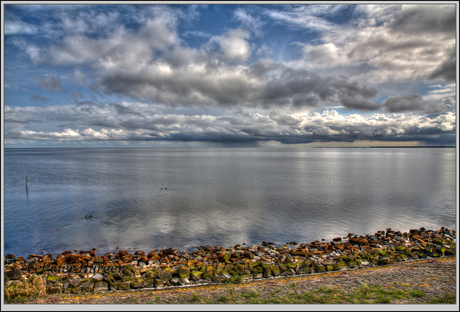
[[432, 279]]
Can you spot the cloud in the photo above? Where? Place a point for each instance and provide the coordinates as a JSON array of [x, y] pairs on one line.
[[76, 94], [87, 121], [51, 82], [447, 70], [384, 44], [417, 19], [39, 98], [234, 47], [19, 27], [401, 103]]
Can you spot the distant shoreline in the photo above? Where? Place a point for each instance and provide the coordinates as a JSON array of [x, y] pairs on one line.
[[268, 147]]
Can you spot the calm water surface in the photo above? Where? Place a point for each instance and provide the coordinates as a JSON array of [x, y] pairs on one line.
[[219, 196]]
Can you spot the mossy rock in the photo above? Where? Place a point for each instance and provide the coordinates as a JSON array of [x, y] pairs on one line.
[[400, 248], [196, 275], [373, 259], [241, 268], [86, 286], [352, 264], [112, 282], [137, 283], [257, 270], [275, 270], [74, 290], [450, 252], [329, 267], [220, 267], [159, 283], [282, 267], [128, 267], [255, 264], [226, 258], [320, 268], [53, 279], [124, 285], [389, 254], [339, 265], [267, 271], [291, 265], [228, 267], [382, 252], [101, 286], [149, 283], [208, 271], [165, 275], [441, 250], [55, 288], [347, 258], [363, 255], [151, 273], [128, 278], [307, 263], [439, 241], [428, 249], [384, 260]]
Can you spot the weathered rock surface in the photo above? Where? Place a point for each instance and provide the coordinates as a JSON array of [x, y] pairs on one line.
[[72, 272]]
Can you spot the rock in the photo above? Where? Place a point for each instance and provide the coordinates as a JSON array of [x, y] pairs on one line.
[[98, 277], [15, 273], [101, 286], [196, 275], [86, 286], [55, 288], [124, 285], [164, 275], [184, 281], [53, 279], [159, 283]]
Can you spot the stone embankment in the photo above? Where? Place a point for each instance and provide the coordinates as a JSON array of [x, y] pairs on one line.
[[72, 272]]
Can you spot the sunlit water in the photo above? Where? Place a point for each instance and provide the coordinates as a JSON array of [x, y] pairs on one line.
[[219, 196]]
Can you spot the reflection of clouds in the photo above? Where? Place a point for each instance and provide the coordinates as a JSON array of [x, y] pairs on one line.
[[241, 196], [164, 223]]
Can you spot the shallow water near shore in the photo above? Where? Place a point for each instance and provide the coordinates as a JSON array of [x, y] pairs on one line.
[[144, 199]]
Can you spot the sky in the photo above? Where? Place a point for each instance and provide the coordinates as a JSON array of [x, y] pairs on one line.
[[159, 75]]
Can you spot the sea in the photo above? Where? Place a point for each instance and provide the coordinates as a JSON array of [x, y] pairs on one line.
[[182, 198]]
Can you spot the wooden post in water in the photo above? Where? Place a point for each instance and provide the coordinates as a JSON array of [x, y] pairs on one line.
[[27, 179]]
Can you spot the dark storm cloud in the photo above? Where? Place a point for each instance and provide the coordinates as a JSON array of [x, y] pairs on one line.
[[299, 87], [360, 104], [448, 69], [401, 103], [52, 83], [417, 19]]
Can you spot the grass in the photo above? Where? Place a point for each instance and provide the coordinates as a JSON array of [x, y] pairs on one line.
[[24, 292], [365, 294], [448, 298]]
